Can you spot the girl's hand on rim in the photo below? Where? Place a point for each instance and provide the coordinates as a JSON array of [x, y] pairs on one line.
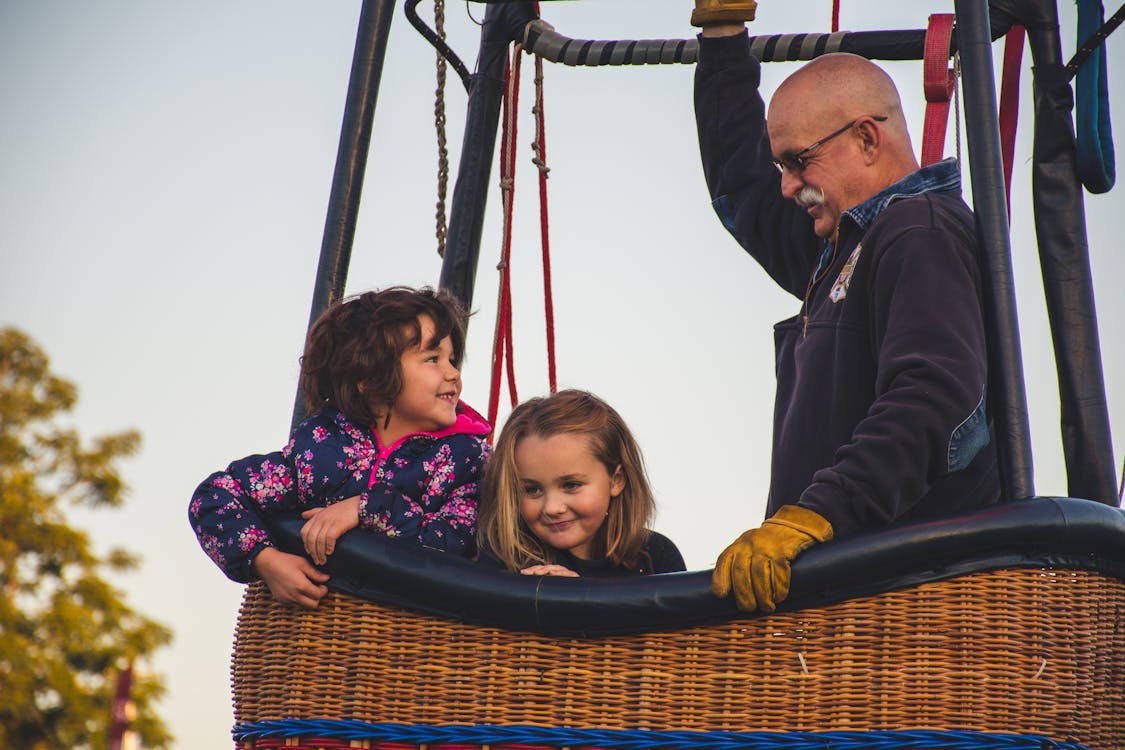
[[325, 525], [549, 570], [291, 578]]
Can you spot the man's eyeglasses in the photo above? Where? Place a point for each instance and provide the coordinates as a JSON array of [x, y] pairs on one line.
[[796, 163]]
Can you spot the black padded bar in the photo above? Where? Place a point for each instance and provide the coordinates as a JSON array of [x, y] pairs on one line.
[[1044, 532], [1007, 394], [1064, 257], [486, 92], [351, 163], [540, 38]]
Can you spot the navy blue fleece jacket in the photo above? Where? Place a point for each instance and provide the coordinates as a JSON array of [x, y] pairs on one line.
[[880, 411]]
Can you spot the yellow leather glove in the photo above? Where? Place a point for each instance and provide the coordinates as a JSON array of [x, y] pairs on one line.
[[756, 565], [715, 12]]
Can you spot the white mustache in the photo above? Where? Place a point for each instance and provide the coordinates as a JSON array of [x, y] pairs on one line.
[[809, 196]]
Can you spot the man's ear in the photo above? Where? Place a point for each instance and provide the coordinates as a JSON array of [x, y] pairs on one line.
[[617, 482], [869, 139]]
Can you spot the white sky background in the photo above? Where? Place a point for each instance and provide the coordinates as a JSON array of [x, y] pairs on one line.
[[165, 175]]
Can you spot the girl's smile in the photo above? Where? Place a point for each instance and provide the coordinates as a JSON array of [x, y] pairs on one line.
[[431, 387], [565, 491]]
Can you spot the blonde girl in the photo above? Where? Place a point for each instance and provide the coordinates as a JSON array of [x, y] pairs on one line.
[[565, 493]]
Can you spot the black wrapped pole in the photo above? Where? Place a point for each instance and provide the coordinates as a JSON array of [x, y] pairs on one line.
[[1064, 256], [503, 23], [351, 162], [1008, 397]]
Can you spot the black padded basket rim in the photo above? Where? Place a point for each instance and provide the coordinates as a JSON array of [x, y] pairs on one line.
[[1051, 533]]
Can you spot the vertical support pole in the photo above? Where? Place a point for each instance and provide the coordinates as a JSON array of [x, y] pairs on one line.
[[351, 162], [1068, 286], [503, 22], [1007, 393]]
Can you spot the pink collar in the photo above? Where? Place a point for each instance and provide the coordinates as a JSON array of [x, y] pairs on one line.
[[469, 422]]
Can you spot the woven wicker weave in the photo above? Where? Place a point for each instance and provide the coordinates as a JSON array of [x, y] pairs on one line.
[[1020, 650]]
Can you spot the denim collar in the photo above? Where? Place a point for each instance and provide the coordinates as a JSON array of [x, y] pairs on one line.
[[944, 176]]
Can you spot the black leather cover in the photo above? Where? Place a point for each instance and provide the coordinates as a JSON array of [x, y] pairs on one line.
[[1040, 532]]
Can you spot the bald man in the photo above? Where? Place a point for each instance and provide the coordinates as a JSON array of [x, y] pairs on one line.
[[880, 407]]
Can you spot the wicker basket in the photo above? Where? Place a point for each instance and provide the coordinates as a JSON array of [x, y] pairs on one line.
[[1036, 651]]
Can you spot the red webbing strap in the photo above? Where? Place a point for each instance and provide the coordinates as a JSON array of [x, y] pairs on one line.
[[509, 211], [835, 16], [540, 161], [938, 81], [502, 340], [1010, 105], [517, 57], [305, 742]]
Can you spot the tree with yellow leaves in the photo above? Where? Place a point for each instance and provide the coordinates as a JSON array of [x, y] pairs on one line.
[[65, 632]]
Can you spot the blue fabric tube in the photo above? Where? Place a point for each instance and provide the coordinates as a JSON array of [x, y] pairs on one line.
[[1096, 166]]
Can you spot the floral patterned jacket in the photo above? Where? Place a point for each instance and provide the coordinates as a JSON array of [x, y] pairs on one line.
[[423, 487]]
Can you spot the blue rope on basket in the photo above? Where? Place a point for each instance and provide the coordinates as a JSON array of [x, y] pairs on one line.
[[919, 739]]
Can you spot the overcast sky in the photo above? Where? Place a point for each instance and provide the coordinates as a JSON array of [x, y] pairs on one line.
[[165, 174]]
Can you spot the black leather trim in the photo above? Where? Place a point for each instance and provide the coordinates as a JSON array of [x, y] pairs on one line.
[[1047, 532]]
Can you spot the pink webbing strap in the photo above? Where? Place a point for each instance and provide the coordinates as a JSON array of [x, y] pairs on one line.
[[938, 81], [1010, 105]]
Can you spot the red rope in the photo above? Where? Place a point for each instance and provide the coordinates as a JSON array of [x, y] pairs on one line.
[[540, 161], [502, 341], [835, 16], [503, 359], [1010, 105], [938, 82]]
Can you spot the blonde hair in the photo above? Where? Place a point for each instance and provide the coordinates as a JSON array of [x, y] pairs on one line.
[[501, 531]]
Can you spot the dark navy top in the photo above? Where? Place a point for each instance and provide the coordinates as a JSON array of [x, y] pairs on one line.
[[660, 555]]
